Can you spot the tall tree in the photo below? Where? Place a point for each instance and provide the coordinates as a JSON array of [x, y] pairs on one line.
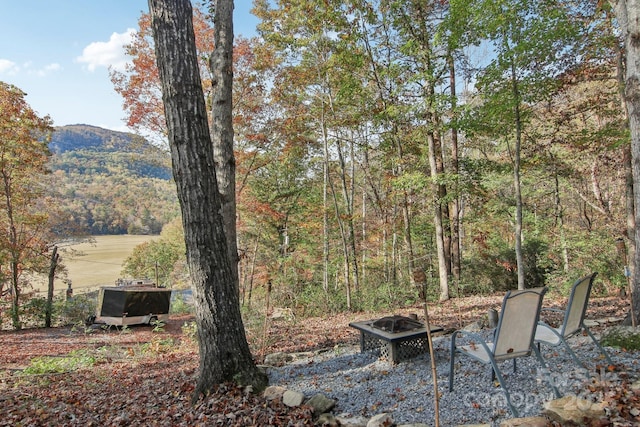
[[427, 67], [224, 351], [323, 71], [628, 16], [23, 159], [531, 40], [139, 86], [221, 64], [390, 123]]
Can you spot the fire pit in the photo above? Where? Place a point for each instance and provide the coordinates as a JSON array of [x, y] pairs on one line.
[[396, 324], [396, 338]]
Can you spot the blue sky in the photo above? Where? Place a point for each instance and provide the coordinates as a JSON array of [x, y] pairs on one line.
[[58, 52]]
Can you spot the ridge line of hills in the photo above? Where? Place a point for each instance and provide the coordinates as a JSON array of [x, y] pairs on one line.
[[110, 182]]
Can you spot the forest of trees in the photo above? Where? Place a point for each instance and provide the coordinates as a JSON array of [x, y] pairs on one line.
[[484, 144], [107, 182]]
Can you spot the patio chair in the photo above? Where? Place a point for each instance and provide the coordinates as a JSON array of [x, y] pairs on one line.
[[573, 321], [512, 338]]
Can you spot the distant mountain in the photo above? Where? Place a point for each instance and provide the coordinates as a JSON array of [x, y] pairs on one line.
[[85, 137], [109, 151], [110, 182]]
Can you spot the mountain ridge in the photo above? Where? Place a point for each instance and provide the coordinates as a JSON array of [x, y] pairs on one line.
[[110, 182], [81, 136]]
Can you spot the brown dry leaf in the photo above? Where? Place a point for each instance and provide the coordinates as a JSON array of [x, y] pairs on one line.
[[109, 393]]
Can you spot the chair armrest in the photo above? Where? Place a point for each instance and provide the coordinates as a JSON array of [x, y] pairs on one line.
[[469, 336], [475, 342]]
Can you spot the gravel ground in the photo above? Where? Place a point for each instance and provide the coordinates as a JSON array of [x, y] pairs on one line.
[[363, 385]]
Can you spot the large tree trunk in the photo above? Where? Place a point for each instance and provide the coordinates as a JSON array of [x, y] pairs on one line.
[[628, 17], [224, 352], [456, 246], [517, 180], [628, 238], [443, 263], [221, 63], [53, 265], [15, 296]]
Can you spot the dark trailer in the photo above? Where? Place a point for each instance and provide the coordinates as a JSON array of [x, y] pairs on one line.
[[132, 305]]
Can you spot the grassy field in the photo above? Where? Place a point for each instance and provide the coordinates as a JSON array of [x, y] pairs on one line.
[[94, 264]]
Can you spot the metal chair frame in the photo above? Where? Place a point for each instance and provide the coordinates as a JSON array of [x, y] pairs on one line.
[[512, 338], [573, 321]]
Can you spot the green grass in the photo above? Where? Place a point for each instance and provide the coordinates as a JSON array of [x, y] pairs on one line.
[[94, 264], [51, 365], [620, 338]]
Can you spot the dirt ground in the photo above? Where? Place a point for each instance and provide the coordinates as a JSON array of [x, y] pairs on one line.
[[290, 335], [141, 377]]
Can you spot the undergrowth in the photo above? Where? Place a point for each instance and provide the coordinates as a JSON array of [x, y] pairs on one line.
[[59, 364], [622, 338]]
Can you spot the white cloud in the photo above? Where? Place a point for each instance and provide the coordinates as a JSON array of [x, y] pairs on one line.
[[107, 54], [53, 67], [8, 67], [11, 68], [46, 70]]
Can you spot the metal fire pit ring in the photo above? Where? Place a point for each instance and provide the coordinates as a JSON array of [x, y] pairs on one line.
[[394, 346]]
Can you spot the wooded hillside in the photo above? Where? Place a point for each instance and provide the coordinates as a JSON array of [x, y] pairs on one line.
[[109, 182], [383, 146]]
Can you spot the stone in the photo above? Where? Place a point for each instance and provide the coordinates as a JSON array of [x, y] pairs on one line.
[[327, 420], [526, 422], [277, 359], [282, 314], [273, 392], [473, 327], [348, 420], [620, 331], [492, 318], [381, 420], [301, 355], [292, 398], [573, 409], [321, 404], [473, 425]]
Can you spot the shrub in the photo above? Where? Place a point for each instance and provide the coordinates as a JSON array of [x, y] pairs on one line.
[[75, 310], [190, 331], [33, 312], [496, 268], [624, 338], [179, 304]]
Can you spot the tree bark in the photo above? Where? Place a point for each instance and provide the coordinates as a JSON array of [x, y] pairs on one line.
[[517, 180], [628, 17], [221, 64], [456, 243], [224, 352], [629, 233], [443, 264], [52, 275]]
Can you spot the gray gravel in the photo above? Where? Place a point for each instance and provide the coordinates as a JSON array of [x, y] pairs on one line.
[[363, 385]]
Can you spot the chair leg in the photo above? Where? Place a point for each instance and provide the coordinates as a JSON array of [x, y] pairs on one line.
[[452, 361], [604, 353], [493, 374], [573, 355], [545, 371], [507, 395]]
